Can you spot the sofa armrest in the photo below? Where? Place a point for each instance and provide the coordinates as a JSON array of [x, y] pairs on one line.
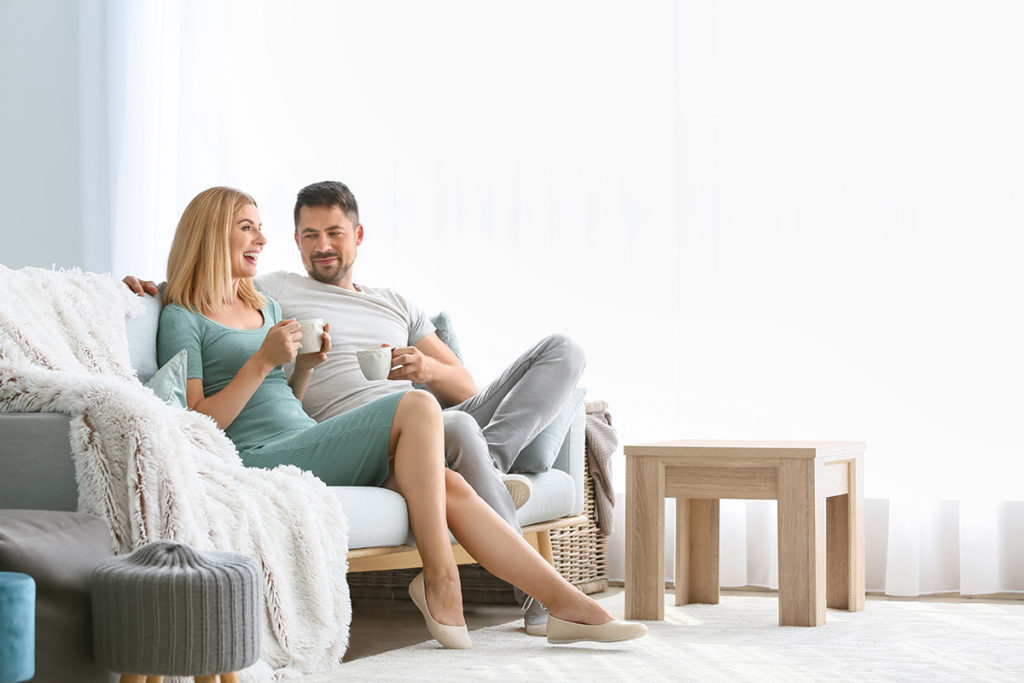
[[570, 458], [35, 458]]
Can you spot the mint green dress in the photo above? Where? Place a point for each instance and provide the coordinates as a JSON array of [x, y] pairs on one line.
[[350, 449]]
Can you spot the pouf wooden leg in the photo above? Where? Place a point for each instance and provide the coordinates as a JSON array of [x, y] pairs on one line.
[[229, 678], [207, 679], [132, 678]]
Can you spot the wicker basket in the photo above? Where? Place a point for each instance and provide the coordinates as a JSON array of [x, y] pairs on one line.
[[580, 552]]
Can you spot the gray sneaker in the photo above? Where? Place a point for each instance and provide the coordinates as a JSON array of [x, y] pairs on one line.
[[535, 615]]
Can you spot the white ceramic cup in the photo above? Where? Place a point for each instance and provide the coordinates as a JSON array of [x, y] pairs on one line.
[[375, 362], [312, 335]]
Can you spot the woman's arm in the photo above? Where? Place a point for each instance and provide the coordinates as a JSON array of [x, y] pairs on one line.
[[304, 364], [279, 347]]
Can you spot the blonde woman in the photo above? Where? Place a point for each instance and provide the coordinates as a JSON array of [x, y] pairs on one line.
[[237, 342]]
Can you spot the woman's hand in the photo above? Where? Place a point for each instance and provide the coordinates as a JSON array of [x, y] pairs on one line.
[[281, 343], [308, 361]]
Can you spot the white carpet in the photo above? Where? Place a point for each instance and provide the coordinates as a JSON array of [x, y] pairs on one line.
[[739, 640]]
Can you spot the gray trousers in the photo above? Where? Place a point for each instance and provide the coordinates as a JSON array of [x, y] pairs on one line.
[[484, 434]]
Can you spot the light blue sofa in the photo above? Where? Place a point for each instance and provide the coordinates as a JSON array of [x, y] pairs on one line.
[[40, 534], [38, 472]]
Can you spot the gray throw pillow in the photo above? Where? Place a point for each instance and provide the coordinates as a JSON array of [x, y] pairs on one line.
[[540, 454]]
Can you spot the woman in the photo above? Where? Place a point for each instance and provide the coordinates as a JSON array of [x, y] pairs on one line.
[[237, 343]]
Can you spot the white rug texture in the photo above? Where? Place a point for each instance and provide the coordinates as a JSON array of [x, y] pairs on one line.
[[738, 640]]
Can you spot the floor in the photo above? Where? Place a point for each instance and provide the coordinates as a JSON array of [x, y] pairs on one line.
[[382, 625]]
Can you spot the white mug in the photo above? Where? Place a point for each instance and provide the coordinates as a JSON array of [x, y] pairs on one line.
[[312, 335], [375, 362]]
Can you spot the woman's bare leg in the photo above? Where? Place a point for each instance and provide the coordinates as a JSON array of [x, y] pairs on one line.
[[418, 474], [504, 553]]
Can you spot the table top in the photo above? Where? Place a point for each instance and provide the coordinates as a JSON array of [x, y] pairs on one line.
[[747, 448]]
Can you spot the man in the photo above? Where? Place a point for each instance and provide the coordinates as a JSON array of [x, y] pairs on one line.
[[484, 431]]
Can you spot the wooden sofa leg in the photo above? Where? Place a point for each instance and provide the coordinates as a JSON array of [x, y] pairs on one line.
[[544, 546]]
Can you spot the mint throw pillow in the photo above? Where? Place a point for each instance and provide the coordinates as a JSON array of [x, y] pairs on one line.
[[446, 333], [169, 381]]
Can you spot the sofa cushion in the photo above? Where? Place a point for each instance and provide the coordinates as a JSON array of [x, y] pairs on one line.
[[142, 338], [170, 381], [554, 496], [446, 332], [540, 453], [59, 550], [376, 516], [39, 472]]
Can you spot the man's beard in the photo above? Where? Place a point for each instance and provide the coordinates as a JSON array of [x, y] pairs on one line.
[[332, 275]]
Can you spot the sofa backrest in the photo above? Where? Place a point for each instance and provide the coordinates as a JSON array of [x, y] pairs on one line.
[[142, 338]]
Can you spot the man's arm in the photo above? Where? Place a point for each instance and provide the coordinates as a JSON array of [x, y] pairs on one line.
[[429, 361]]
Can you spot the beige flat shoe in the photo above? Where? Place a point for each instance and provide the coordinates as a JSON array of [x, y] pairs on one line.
[[561, 632], [453, 637]]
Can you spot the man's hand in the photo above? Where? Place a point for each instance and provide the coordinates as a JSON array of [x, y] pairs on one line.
[[281, 344], [308, 361], [138, 286], [416, 365]]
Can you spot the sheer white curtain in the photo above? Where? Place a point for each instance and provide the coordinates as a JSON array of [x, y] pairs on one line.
[[762, 220], [850, 205]]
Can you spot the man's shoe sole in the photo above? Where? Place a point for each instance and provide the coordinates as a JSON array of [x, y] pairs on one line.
[[519, 487]]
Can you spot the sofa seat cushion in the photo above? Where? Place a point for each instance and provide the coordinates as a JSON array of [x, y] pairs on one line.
[[379, 517], [554, 496], [59, 550], [376, 516]]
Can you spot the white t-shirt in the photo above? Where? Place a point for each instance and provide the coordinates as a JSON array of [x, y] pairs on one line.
[[358, 319]]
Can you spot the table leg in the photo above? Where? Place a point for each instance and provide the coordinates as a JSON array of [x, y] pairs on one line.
[[697, 522], [801, 544], [645, 538], [845, 542]]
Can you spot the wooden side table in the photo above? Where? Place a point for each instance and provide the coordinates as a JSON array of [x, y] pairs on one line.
[[820, 493]]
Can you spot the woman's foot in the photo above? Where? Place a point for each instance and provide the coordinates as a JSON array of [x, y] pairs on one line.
[[577, 607], [455, 637], [561, 632], [578, 617]]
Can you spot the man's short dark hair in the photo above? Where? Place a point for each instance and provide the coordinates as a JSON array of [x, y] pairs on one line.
[[329, 193]]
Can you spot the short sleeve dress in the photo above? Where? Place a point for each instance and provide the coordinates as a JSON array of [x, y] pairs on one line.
[[350, 449]]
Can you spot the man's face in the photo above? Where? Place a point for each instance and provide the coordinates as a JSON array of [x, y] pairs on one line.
[[327, 241]]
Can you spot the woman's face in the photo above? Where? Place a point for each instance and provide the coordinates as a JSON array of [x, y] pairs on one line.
[[246, 242]]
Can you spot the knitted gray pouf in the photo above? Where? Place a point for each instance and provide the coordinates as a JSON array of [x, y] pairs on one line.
[[167, 609]]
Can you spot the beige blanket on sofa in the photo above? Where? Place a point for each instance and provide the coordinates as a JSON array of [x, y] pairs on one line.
[[154, 471]]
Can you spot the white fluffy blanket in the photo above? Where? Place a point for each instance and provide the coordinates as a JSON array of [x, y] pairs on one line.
[[153, 471]]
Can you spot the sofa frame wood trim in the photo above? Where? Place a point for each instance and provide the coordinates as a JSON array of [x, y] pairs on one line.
[[407, 557]]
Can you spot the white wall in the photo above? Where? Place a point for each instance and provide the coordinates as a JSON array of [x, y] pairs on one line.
[[39, 135]]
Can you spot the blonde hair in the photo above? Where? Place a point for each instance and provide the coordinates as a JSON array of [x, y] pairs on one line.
[[199, 265]]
